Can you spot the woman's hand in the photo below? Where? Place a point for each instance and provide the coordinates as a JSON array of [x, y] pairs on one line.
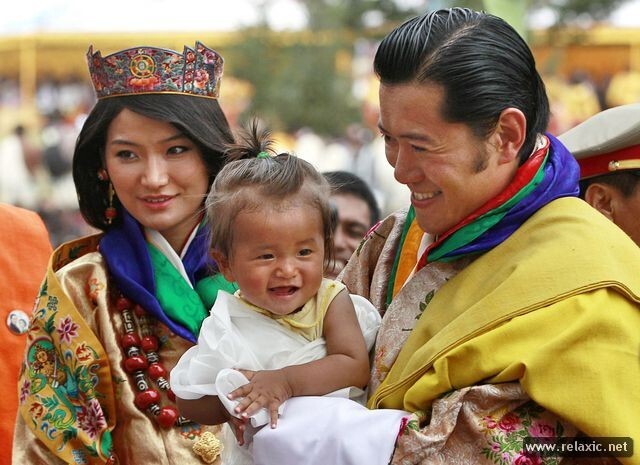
[[267, 388], [238, 426]]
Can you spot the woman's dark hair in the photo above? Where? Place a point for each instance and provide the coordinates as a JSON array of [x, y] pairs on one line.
[[480, 61], [347, 183], [200, 119]]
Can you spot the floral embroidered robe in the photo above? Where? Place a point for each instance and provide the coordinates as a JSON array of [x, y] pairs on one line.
[[73, 388], [476, 424]]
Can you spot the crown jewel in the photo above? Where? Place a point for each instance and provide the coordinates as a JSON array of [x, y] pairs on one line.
[[152, 70]]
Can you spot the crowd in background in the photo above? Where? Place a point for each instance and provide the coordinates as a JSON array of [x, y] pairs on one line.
[[35, 157]]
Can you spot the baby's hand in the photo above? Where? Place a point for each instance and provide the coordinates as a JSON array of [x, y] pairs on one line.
[[268, 389]]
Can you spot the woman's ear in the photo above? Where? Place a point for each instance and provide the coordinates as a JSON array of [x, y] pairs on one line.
[[601, 197], [223, 265], [509, 135]]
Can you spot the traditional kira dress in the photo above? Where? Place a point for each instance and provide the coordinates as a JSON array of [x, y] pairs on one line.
[[94, 383], [523, 321]]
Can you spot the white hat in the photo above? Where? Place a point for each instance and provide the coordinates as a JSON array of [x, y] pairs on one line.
[[606, 142]]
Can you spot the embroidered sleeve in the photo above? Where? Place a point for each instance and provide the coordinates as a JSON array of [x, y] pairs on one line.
[[484, 425], [65, 392]]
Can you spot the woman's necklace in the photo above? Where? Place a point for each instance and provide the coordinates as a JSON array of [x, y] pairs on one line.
[[140, 346]]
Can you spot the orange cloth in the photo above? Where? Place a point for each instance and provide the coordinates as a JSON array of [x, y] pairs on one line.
[[24, 252], [408, 256]]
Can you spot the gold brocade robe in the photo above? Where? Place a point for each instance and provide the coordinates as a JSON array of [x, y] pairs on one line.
[[558, 361], [75, 395]]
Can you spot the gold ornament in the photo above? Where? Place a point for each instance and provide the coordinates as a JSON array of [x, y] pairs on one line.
[[207, 447]]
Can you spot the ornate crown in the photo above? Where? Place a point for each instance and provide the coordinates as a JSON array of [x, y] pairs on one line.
[[151, 70]]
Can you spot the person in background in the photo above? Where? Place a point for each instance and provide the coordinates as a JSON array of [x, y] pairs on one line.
[[607, 147], [357, 211], [509, 304], [117, 309], [25, 252], [19, 161]]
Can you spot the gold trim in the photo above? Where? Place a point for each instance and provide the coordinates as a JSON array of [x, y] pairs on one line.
[[214, 97], [208, 447], [617, 165]]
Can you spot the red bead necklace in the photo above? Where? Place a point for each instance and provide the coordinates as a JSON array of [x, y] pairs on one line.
[[142, 359]]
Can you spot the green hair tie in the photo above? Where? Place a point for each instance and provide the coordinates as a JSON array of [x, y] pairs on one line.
[[263, 155]]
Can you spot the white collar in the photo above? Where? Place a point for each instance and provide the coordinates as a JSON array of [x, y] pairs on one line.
[[158, 240]]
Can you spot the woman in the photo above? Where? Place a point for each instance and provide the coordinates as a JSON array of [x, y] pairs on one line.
[[118, 309]]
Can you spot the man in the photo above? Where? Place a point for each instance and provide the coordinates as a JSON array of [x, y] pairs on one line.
[[357, 210], [509, 304], [607, 147], [23, 264]]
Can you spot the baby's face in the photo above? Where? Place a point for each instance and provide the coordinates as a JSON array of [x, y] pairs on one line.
[[277, 256]]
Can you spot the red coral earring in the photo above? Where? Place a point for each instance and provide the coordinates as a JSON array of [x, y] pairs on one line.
[[110, 212]]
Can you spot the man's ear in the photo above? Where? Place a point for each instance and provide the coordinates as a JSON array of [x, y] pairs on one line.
[[223, 265], [509, 135], [600, 196]]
